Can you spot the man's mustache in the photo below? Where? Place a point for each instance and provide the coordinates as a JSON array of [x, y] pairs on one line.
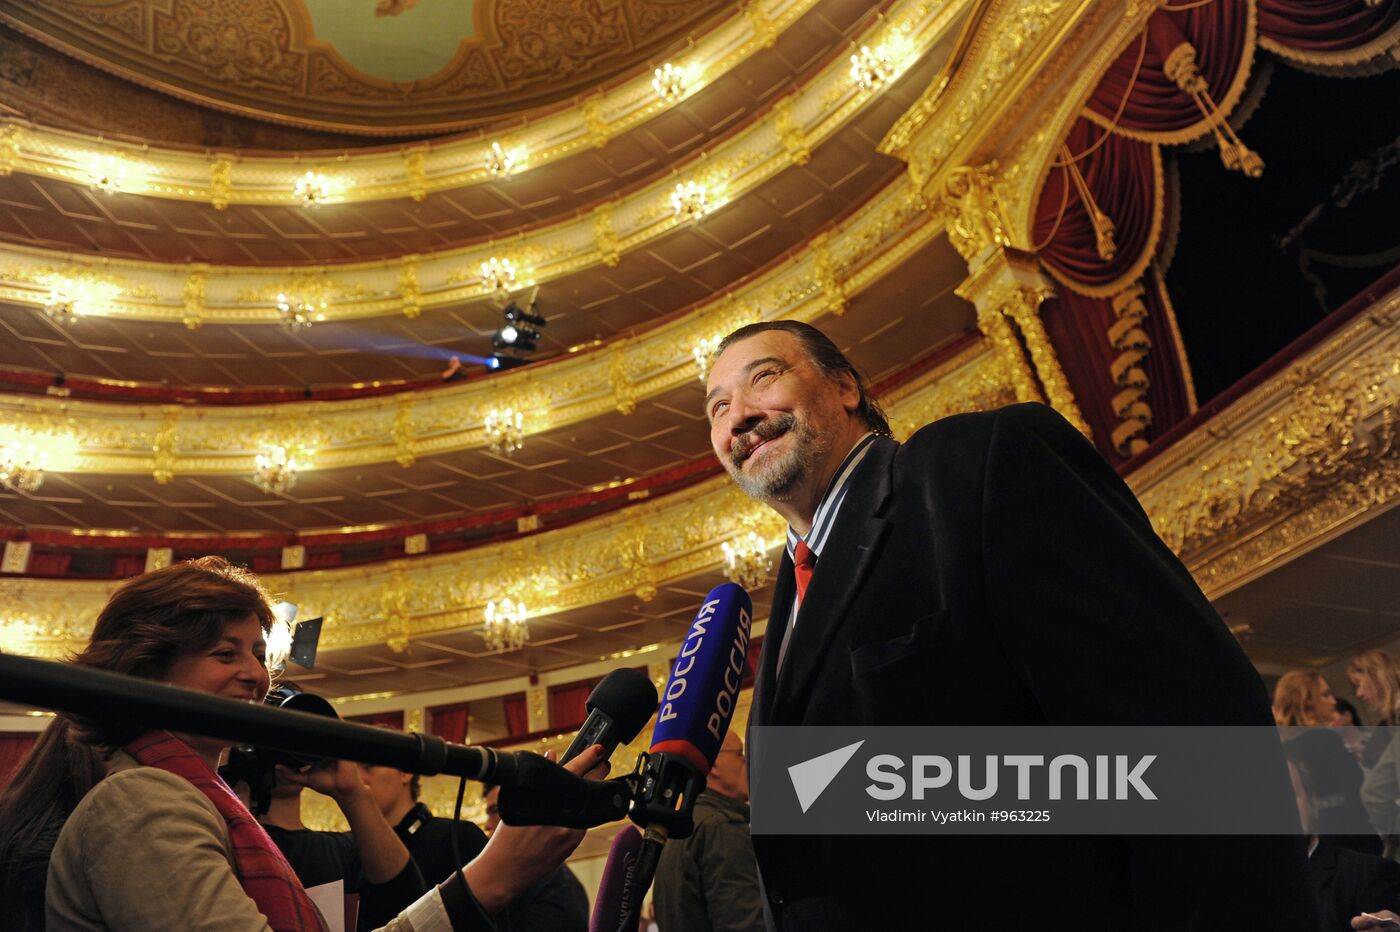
[[744, 444]]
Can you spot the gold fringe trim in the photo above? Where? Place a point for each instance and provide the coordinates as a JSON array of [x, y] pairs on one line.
[[1133, 344], [1225, 106], [1387, 42], [1186, 378], [1149, 249]]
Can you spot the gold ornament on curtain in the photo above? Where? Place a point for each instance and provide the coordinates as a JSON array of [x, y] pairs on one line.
[[1132, 342], [1103, 224], [1180, 66]]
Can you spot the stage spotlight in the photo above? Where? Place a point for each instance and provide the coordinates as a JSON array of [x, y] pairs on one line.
[[519, 333], [515, 315]]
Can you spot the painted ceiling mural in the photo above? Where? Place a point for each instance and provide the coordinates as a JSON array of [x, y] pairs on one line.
[[380, 67]]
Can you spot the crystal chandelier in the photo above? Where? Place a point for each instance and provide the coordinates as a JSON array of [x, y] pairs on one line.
[[61, 307], [107, 173], [500, 162], [704, 351], [498, 275], [299, 313], [871, 69], [669, 82], [22, 467], [71, 297], [505, 430], [746, 560], [690, 200], [275, 471], [506, 627], [312, 189]]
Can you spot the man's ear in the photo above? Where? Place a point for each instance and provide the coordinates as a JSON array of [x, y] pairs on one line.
[[850, 391]]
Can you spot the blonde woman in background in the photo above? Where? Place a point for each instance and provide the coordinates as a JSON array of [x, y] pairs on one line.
[[1375, 675], [1306, 711]]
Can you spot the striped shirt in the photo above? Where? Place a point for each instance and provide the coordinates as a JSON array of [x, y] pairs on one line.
[[823, 522]]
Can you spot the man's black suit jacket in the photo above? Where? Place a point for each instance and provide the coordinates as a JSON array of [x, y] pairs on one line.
[[1349, 883], [995, 570]]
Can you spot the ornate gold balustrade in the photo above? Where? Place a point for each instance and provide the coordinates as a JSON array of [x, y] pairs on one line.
[[197, 293], [224, 178], [175, 440]]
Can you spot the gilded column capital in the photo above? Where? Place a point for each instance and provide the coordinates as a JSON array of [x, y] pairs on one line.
[[1007, 287], [975, 220]]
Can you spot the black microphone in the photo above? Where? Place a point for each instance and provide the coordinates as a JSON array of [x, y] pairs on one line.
[[618, 877], [618, 709], [102, 694], [694, 717]]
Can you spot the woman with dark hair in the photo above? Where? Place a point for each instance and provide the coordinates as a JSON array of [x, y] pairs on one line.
[[161, 842], [33, 809]]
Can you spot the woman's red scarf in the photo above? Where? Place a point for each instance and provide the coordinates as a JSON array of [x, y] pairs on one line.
[[262, 870]]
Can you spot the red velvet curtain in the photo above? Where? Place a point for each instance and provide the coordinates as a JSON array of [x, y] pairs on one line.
[[51, 563], [1326, 25], [1124, 178], [568, 704], [517, 715], [1150, 102], [450, 722], [128, 564], [392, 720], [13, 747], [1078, 327]]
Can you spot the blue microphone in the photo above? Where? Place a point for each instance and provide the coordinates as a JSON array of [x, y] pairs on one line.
[[698, 703], [695, 713]]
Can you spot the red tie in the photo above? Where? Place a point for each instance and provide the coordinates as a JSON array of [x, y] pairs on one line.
[[803, 562]]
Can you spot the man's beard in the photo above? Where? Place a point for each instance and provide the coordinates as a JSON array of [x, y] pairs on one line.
[[775, 480]]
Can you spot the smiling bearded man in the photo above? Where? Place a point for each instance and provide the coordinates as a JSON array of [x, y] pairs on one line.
[[992, 570]]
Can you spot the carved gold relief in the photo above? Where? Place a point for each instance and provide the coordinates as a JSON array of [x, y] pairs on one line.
[[1313, 447], [974, 215]]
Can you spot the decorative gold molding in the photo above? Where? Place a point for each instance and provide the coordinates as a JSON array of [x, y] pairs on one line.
[[119, 438], [239, 294], [414, 170], [1293, 461], [631, 552]]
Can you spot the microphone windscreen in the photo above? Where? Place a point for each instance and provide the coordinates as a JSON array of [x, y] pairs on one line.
[[617, 876], [700, 695], [628, 697]]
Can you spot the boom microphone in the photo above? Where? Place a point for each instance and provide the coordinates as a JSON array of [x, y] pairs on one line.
[[618, 708], [102, 694], [695, 712], [618, 877]]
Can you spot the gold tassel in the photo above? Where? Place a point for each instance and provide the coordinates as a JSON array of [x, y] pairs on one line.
[[1130, 405], [1180, 66], [1102, 223]]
